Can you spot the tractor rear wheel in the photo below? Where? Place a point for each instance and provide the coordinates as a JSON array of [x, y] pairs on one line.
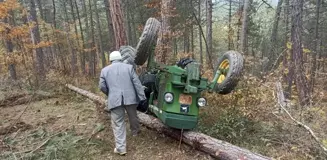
[[147, 41], [230, 65], [128, 54]]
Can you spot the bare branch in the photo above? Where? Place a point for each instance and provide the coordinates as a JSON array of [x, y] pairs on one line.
[[313, 135], [265, 2]]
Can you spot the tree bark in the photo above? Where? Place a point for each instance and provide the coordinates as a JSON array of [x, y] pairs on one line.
[[297, 51], [92, 56], [273, 39], [316, 50], [216, 148], [99, 30], [87, 44], [117, 22], [112, 39], [209, 6], [35, 34], [48, 50], [10, 49], [287, 64], [200, 38], [57, 46], [75, 27], [70, 43], [11, 65], [83, 54], [243, 38], [164, 44], [230, 30]]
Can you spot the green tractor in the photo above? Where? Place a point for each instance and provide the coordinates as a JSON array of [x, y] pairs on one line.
[[174, 91]]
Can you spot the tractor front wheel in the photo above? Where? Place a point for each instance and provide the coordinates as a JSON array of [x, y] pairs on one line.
[[230, 66]]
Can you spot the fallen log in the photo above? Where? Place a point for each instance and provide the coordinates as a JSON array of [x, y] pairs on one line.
[[216, 148]]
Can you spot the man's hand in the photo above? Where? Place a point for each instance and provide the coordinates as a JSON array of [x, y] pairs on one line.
[[143, 106], [144, 102]]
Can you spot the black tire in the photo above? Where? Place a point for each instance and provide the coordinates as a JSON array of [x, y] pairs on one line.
[[128, 54], [234, 60], [147, 41]]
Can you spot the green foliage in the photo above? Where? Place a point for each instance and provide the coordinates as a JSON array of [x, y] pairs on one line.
[[231, 126], [64, 145]]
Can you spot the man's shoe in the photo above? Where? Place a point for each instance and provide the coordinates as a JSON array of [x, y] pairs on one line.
[[120, 153]]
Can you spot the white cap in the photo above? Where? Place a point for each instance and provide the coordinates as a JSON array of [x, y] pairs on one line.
[[115, 55]]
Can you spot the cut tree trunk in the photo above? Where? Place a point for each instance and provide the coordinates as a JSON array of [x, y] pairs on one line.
[[216, 148]]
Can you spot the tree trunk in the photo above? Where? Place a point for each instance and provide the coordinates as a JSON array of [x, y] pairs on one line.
[[273, 39], [69, 42], [134, 27], [10, 49], [209, 32], [288, 63], [316, 50], [244, 27], [83, 54], [35, 34], [192, 41], [87, 44], [117, 21], [75, 27], [112, 39], [200, 37], [127, 21], [297, 51], [216, 148], [230, 30], [239, 24], [57, 46], [48, 50], [164, 44], [192, 30], [99, 30], [92, 56]]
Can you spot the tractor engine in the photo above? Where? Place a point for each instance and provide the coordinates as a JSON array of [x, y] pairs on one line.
[[179, 99]]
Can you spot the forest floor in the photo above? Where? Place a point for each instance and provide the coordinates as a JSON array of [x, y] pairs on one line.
[[63, 125], [56, 123]]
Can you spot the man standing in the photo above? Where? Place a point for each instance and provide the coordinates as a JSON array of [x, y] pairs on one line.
[[125, 91]]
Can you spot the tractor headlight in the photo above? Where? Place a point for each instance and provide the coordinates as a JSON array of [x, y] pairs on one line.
[[169, 97], [201, 102]]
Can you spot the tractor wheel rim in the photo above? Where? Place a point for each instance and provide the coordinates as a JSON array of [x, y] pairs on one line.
[[223, 68]]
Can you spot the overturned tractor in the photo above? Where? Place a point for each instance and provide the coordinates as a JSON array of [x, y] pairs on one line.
[[174, 91]]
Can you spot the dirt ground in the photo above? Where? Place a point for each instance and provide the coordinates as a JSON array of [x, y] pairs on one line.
[[68, 126]]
